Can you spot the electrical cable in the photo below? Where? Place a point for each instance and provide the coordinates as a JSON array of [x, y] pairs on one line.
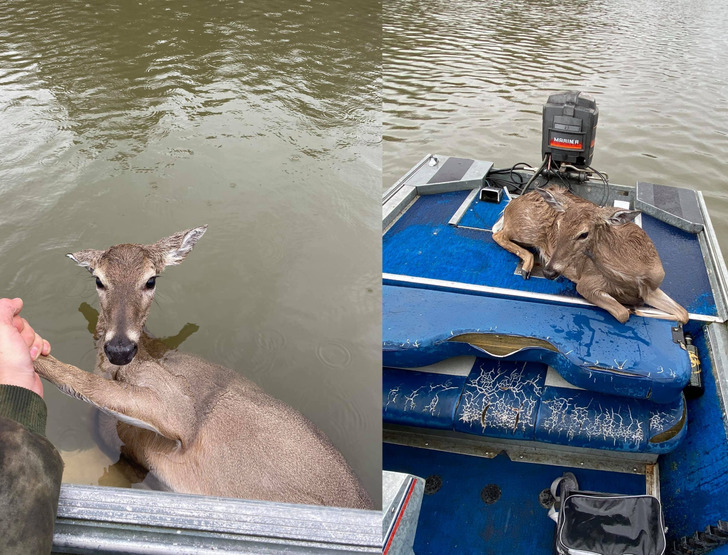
[[605, 197], [502, 182], [511, 183], [511, 172], [536, 174], [561, 177]]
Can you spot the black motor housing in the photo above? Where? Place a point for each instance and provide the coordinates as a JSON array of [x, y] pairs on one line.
[[570, 128]]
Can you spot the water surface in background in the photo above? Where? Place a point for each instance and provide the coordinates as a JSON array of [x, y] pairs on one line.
[[128, 121], [469, 78]]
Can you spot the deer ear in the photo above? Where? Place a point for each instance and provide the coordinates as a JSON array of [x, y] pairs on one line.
[[86, 259], [551, 200], [621, 217], [175, 248]]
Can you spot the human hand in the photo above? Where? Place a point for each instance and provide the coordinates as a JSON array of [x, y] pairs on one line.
[[19, 347]]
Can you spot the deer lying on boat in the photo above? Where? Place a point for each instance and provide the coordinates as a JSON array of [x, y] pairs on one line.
[[198, 427], [611, 259]]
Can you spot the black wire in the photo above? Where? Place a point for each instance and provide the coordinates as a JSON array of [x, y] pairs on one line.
[[503, 182], [513, 167], [536, 174], [511, 183], [605, 197], [561, 177], [514, 186], [511, 172], [566, 183], [517, 186]]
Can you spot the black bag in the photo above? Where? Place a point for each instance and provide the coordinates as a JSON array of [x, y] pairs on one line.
[[590, 523]]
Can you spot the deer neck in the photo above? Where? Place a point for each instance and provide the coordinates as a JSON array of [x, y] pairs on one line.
[[605, 242]]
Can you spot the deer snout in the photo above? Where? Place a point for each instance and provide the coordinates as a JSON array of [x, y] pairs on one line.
[[120, 351], [550, 273]]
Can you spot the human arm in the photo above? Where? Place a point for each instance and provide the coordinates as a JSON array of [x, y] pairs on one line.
[[30, 467]]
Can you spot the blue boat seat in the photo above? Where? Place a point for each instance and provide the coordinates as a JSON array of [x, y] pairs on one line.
[[515, 400], [586, 345]]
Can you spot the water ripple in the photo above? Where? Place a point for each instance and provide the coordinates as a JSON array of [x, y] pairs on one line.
[[470, 77], [125, 121]]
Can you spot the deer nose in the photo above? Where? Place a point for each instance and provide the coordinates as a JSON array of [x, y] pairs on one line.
[[120, 351], [548, 273]]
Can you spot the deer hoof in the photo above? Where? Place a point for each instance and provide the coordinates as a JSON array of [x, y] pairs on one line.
[[525, 274], [622, 316]]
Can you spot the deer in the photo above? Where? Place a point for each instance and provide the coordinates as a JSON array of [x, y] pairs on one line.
[[612, 261], [197, 427]]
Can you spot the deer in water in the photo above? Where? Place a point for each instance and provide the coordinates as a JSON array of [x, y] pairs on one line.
[[611, 259], [196, 426]]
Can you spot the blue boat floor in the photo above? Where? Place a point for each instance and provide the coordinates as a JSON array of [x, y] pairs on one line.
[[423, 244], [455, 518], [694, 478]]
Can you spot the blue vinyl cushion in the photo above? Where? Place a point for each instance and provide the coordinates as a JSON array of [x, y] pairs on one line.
[[510, 400], [588, 347]]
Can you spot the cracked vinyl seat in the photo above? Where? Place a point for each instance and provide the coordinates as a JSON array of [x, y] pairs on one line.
[[527, 401], [586, 345]]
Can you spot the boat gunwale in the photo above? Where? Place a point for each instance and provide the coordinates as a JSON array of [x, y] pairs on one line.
[[101, 519], [711, 249]]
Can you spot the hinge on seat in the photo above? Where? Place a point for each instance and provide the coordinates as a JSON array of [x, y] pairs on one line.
[[678, 336]]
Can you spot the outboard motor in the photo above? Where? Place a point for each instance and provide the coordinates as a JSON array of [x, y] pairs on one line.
[[569, 128]]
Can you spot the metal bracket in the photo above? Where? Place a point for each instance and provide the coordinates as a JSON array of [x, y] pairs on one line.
[[678, 336]]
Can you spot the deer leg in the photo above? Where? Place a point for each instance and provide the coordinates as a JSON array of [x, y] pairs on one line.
[[105, 433], [659, 299], [602, 299], [524, 254], [138, 406]]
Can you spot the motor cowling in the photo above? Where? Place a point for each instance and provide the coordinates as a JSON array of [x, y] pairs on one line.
[[570, 128]]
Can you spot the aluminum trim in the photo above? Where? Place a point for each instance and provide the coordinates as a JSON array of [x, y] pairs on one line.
[[460, 212], [396, 508], [402, 495], [519, 450], [446, 187], [487, 290], [719, 278], [718, 343], [397, 205], [652, 472], [397, 184], [117, 518]]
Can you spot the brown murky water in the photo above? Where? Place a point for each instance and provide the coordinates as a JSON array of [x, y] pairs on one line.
[[469, 78], [128, 121]]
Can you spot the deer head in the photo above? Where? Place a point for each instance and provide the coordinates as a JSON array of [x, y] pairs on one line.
[[578, 230], [125, 282]]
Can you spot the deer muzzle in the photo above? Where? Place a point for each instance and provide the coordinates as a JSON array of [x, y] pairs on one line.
[[120, 350]]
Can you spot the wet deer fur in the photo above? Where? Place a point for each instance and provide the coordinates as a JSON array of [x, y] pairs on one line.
[[198, 427], [611, 259]]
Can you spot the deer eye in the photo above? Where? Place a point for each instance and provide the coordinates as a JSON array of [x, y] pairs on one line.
[[99, 284], [582, 236], [151, 282]]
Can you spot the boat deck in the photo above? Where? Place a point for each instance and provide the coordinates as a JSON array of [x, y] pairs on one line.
[[423, 244]]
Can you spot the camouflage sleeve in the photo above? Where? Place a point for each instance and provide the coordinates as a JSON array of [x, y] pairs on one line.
[[30, 474]]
